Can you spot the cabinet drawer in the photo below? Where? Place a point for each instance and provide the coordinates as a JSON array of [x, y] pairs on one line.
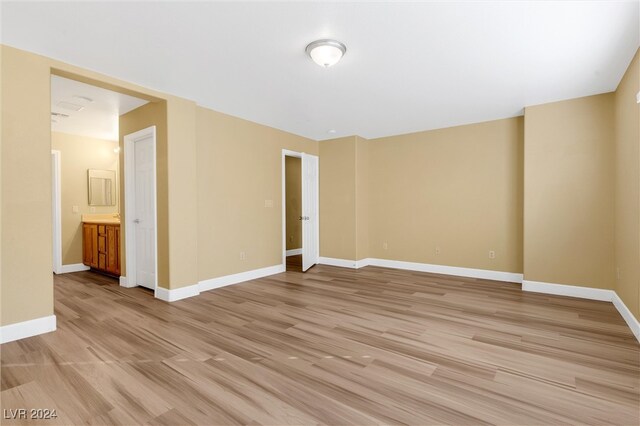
[[102, 244]]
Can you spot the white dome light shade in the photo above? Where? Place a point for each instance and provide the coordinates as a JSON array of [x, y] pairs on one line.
[[326, 52]]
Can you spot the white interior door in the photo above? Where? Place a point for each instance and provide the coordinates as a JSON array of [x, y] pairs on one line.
[[310, 225], [140, 209], [143, 215]]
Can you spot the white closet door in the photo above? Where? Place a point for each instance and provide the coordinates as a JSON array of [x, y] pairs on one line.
[[310, 225], [144, 217]]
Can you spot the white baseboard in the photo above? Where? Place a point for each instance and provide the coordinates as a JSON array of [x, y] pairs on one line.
[[294, 252], [628, 317], [75, 267], [568, 290], [342, 263], [425, 267], [363, 262], [240, 277], [173, 295], [125, 283], [176, 294], [24, 329], [586, 293], [486, 274]]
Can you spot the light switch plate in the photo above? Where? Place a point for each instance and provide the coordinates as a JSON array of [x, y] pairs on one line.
[[268, 203], [75, 209]]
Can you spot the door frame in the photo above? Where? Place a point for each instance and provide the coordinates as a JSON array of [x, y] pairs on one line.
[[289, 153], [56, 210], [129, 205]]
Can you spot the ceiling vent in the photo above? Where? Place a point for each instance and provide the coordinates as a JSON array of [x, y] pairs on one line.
[[82, 98], [70, 106]]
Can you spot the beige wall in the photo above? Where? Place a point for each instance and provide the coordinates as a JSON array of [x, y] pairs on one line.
[[293, 189], [568, 187], [362, 198], [458, 189], [338, 198], [77, 155], [182, 192], [151, 114], [239, 168], [627, 187], [26, 264]]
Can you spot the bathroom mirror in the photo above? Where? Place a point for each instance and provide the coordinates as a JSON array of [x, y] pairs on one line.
[[102, 187]]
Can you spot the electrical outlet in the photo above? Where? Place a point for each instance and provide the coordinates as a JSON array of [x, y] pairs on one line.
[[492, 254], [385, 245], [438, 251], [243, 256], [617, 273], [93, 209], [75, 209]]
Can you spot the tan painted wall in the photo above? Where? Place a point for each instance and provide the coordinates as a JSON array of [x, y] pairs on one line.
[[239, 168], [568, 187], [362, 198], [26, 264], [627, 187], [293, 189], [182, 192], [151, 114], [338, 198], [77, 155], [459, 189]]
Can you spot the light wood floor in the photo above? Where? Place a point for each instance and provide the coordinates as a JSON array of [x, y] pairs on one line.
[[332, 346]]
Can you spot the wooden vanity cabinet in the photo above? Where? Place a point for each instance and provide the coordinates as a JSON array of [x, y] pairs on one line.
[[101, 247]]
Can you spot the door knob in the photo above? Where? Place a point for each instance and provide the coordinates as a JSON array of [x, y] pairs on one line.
[[136, 221]]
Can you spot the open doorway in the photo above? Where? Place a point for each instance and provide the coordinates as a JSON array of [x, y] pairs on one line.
[[300, 218], [86, 197], [293, 216]]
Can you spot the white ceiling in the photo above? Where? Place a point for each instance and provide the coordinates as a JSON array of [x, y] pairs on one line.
[[409, 66], [100, 108]]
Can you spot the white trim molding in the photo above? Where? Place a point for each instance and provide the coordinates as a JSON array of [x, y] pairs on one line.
[[341, 263], [75, 267], [294, 252], [486, 274], [568, 290], [24, 329], [628, 317], [601, 294], [173, 295], [226, 280], [56, 211]]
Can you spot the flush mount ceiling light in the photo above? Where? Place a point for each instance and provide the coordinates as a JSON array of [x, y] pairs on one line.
[[326, 52]]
